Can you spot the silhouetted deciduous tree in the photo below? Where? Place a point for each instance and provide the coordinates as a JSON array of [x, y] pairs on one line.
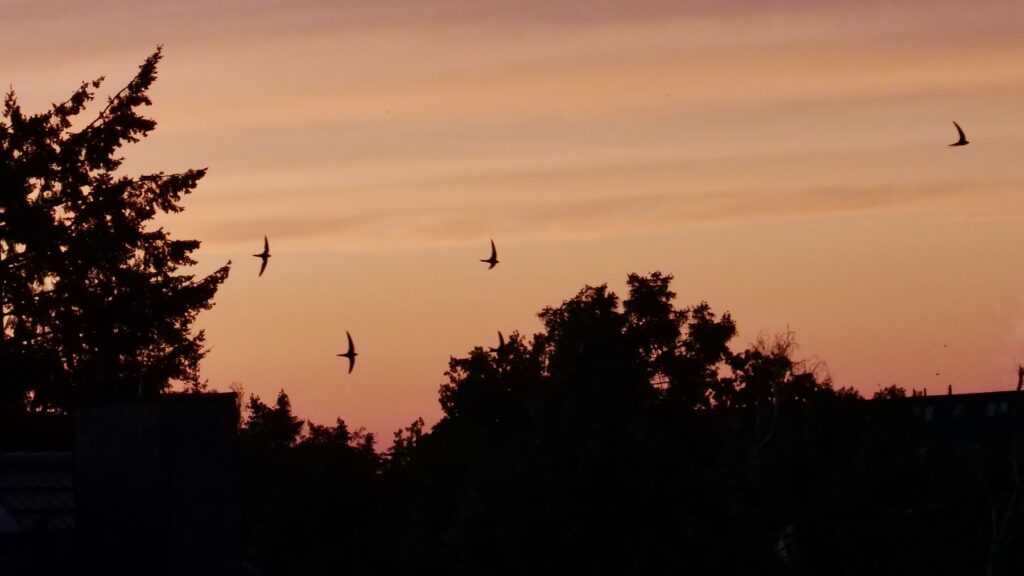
[[405, 443], [310, 499], [889, 393], [273, 428], [584, 449], [92, 294]]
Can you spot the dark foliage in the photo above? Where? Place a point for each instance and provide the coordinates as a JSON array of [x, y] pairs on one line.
[[311, 495], [92, 301], [629, 438]]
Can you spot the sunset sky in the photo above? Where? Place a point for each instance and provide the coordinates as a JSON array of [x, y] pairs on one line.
[[785, 160]]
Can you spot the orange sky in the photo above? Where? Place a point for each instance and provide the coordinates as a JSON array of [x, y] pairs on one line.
[[785, 160]]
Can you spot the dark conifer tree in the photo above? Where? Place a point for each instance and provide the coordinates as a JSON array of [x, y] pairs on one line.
[[93, 297]]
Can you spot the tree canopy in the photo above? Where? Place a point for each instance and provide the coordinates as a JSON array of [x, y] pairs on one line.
[[94, 297], [605, 435], [597, 350]]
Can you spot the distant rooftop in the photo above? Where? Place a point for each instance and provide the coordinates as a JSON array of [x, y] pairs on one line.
[[36, 491]]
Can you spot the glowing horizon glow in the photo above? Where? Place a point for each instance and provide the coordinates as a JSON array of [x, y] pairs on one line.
[[785, 160]]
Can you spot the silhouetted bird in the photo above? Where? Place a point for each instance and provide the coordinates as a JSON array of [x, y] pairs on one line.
[[501, 345], [963, 139], [351, 354], [1020, 377], [493, 260], [264, 256]]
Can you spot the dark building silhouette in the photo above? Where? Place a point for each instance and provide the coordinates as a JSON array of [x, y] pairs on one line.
[[967, 429], [37, 513], [155, 485], [966, 417], [149, 489]]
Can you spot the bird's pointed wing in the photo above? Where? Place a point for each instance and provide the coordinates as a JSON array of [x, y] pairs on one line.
[[263, 266], [491, 266], [351, 363], [266, 245], [494, 251], [351, 347], [501, 340], [959, 131]]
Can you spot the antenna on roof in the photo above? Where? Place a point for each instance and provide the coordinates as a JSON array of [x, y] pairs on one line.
[[949, 390], [1020, 377]]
